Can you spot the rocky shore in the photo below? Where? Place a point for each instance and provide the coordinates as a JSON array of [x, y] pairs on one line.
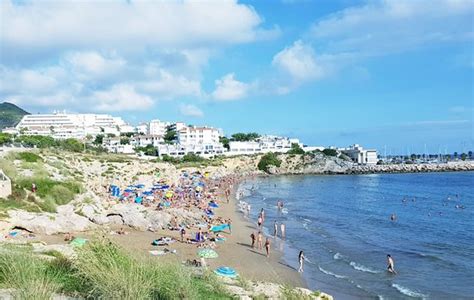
[[319, 163]]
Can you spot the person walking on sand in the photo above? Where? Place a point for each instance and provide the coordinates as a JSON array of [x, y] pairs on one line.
[[267, 247], [252, 236], [390, 264], [301, 259], [275, 228], [282, 230], [259, 240]]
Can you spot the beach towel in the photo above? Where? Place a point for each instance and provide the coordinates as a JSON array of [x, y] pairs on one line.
[[207, 253], [219, 228], [78, 242]]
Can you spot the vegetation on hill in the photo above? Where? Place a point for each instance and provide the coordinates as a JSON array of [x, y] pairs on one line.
[[295, 149], [244, 137], [10, 114], [330, 152], [103, 270], [269, 159]]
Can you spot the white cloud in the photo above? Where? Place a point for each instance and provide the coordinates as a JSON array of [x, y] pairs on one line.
[[228, 88], [120, 97], [128, 24], [91, 64], [167, 85], [190, 110], [299, 61], [389, 26]]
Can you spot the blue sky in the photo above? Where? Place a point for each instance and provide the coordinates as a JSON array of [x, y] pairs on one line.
[[395, 75]]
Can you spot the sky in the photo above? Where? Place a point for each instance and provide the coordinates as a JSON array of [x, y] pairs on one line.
[[395, 75]]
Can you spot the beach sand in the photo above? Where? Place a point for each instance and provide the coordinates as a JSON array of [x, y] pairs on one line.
[[235, 252]]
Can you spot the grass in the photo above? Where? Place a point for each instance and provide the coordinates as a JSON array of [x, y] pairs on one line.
[[28, 157], [61, 192], [102, 270]]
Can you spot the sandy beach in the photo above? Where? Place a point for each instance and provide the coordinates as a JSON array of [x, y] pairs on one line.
[[235, 252]]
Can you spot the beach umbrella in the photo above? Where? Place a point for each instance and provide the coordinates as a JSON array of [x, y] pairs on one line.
[[207, 253], [169, 194], [226, 272]]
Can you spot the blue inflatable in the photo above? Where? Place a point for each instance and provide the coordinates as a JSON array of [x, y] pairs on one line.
[[226, 272]]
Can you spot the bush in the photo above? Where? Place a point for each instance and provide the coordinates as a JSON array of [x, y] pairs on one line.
[[29, 157], [330, 152], [5, 138], [295, 149], [57, 191], [191, 157], [269, 159]]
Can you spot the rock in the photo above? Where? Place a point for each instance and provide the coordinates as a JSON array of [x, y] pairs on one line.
[[133, 215], [91, 212], [65, 220], [66, 250]]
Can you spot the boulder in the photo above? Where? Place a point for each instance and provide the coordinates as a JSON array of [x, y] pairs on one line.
[[132, 215], [65, 220]]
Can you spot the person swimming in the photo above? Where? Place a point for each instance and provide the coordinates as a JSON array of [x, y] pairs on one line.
[[393, 217], [390, 264]]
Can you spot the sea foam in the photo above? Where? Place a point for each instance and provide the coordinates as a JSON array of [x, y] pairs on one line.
[[408, 292], [363, 268], [331, 273]]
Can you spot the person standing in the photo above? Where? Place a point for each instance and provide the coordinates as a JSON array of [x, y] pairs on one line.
[[390, 264], [267, 247], [282, 230], [259, 222], [275, 228], [259, 240], [301, 260], [252, 236]]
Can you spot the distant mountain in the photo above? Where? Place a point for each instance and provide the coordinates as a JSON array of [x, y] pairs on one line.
[[10, 114]]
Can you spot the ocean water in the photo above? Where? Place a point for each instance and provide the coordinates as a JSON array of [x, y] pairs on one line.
[[343, 225]]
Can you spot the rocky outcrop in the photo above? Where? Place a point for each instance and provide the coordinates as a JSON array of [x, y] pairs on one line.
[[65, 220], [412, 168], [256, 289], [319, 163]]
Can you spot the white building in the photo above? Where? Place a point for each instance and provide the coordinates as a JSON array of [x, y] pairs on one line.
[[360, 155], [113, 145], [198, 136], [145, 140], [142, 128], [62, 125], [263, 144], [156, 127], [179, 150]]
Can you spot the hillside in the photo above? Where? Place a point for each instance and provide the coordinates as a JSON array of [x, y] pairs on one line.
[[10, 114]]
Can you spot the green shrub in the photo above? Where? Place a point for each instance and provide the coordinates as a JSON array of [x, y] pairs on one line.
[[60, 192], [330, 152], [269, 159], [295, 149], [29, 157]]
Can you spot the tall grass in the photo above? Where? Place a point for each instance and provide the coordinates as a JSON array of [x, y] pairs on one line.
[[102, 270], [29, 276]]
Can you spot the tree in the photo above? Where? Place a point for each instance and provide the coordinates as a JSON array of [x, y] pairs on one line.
[[269, 159], [225, 141], [330, 152], [170, 135], [5, 138], [99, 139], [413, 156], [295, 149], [455, 155], [124, 141], [469, 154], [244, 137], [463, 156]]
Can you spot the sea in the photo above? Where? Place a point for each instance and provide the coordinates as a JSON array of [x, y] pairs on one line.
[[343, 224]]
